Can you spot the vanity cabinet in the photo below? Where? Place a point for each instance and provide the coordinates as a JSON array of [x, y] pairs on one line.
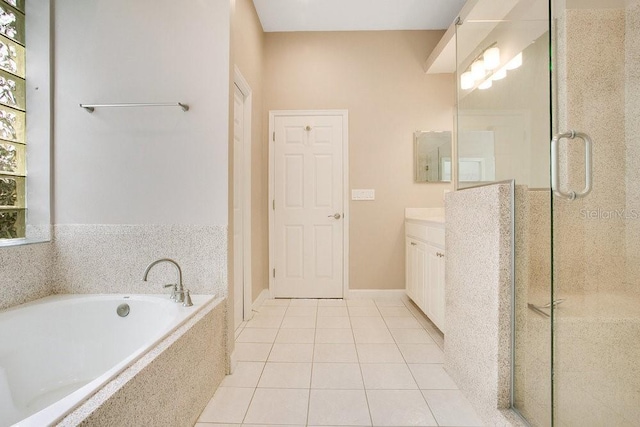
[[425, 258]]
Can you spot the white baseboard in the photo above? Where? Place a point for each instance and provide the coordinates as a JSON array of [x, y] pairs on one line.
[[264, 295], [376, 294], [351, 294]]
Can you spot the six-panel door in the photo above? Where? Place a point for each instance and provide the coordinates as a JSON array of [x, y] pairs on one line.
[[308, 206]]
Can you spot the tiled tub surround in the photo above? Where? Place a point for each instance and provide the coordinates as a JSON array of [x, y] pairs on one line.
[[336, 362], [478, 297], [25, 273], [112, 258], [94, 259], [171, 384]]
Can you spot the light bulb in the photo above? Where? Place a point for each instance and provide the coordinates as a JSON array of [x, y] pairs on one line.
[[477, 69], [500, 74], [485, 84], [491, 58], [466, 80], [516, 62]]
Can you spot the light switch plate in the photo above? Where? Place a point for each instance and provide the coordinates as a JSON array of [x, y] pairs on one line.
[[363, 194]]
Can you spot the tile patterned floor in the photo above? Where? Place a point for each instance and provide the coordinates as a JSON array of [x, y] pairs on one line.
[[338, 363]]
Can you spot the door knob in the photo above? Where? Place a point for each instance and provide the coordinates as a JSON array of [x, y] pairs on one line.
[[336, 216]]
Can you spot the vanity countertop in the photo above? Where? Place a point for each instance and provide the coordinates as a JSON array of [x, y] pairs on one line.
[[430, 215]]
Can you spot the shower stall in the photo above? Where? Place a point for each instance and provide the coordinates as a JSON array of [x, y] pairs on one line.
[[563, 107]]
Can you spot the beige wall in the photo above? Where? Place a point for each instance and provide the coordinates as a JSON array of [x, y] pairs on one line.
[[248, 55], [378, 77]]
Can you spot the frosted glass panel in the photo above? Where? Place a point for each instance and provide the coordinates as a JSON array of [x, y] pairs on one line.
[[12, 125], [11, 191], [12, 224], [11, 23], [12, 57], [12, 158], [18, 4], [12, 121], [12, 91]]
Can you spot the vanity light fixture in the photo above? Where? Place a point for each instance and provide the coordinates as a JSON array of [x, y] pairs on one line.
[[516, 62], [500, 74], [478, 70], [485, 63], [466, 80], [491, 58], [484, 69], [485, 84]]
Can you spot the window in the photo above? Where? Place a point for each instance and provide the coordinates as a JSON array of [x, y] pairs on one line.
[[13, 151]]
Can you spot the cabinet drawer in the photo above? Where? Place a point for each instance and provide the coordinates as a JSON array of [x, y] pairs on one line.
[[434, 235]]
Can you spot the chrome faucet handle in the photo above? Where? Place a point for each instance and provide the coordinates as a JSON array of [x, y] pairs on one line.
[[184, 297], [174, 289], [179, 295], [187, 299]]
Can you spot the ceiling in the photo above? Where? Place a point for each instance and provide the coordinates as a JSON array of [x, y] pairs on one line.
[[356, 15]]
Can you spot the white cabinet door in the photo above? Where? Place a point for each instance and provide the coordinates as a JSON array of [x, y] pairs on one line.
[[425, 270], [416, 271], [409, 265], [435, 302]]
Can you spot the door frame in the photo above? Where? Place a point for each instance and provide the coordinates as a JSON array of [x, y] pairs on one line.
[[245, 89], [345, 188]]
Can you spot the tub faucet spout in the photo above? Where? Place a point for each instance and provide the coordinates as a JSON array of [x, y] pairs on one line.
[[178, 290]]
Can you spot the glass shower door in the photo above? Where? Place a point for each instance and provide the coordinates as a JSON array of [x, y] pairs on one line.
[[503, 132], [596, 212]]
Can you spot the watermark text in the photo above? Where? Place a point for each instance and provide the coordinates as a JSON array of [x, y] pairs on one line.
[[609, 213]]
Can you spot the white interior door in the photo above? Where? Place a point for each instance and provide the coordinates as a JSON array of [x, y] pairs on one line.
[[238, 217], [308, 212]]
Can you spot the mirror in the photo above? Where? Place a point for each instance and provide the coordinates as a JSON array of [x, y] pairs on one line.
[[476, 158], [432, 156]]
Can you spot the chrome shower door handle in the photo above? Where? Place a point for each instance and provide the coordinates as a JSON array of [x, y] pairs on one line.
[[555, 165]]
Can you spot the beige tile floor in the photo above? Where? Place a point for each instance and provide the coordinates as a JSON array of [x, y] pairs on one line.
[[338, 363]]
